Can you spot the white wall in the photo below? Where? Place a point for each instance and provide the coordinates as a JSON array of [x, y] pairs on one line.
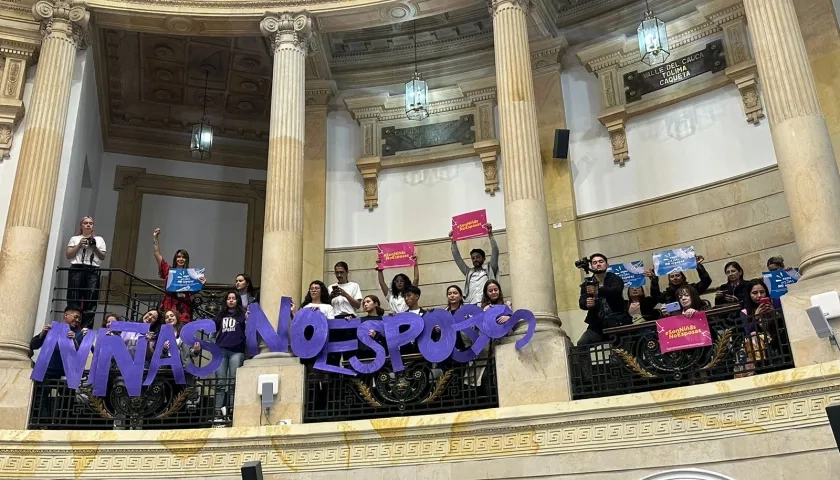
[[415, 203], [693, 143], [212, 232]]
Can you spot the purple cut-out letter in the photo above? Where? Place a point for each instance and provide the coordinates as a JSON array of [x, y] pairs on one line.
[[189, 334], [338, 347], [257, 323], [527, 316], [72, 360], [437, 351], [394, 339], [112, 347], [466, 318], [301, 346], [171, 357], [363, 334]]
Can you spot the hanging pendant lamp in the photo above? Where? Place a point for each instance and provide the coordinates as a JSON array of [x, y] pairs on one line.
[[416, 91], [201, 141], [653, 39]]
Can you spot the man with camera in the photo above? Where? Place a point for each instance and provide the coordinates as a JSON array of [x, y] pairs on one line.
[[601, 296]]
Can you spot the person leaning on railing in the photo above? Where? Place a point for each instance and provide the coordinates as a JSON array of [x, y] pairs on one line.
[[179, 302], [85, 252], [734, 291]]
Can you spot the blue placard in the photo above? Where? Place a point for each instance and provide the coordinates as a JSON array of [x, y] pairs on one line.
[[778, 280], [184, 280], [676, 260], [632, 273]]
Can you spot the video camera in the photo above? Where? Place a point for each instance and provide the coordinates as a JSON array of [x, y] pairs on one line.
[[583, 264]]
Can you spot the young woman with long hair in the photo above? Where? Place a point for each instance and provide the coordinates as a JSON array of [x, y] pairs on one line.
[[181, 303], [317, 298], [245, 288], [454, 298], [230, 338], [640, 307], [493, 296], [85, 252], [395, 295], [689, 300]]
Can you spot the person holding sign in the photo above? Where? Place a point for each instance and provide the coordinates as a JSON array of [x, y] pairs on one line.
[[85, 252], [479, 274], [399, 285], [677, 280], [178, 302]]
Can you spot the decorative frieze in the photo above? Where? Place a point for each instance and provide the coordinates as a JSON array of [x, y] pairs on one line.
[[17, 50], [696, 42], [462, 124]]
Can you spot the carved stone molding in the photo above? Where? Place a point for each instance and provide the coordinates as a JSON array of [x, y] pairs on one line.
[[715, 20], [320, 92], [476, 98], [133, 183], [288, 30], [17, 50], [615, 120], [67, 19]]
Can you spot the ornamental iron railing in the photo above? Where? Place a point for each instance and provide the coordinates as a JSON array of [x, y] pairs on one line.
[[161, 405], [421, 388], [630, 360]]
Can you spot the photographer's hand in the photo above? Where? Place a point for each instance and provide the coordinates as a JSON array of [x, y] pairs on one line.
[[590, 289], [590, 302]]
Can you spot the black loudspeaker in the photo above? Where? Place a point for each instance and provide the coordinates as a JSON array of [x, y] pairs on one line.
[[833, 412], [561, 144], [252, 471]]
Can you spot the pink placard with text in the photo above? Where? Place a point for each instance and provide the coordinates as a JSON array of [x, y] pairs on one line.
[[682, 333], [395, 255], [469, 225]]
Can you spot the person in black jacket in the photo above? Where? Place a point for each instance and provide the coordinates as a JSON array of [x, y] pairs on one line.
[[735, 290], [601, 296], [640, 307], [677, 280]]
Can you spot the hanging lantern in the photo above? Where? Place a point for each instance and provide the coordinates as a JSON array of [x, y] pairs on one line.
[[416, 91], [201, 141], [653, 40], [416, 98]]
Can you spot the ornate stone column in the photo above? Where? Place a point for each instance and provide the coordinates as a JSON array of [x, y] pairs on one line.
[[524, 376], [806, 164], [64, 26], [291, 38]]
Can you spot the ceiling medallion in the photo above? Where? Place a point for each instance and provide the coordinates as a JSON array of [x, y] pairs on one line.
[[178, 24], [162, 51], [205, 100], [163, 74], [248, 86], [245, 106], [250, 63], [163, 95], [399, 12]]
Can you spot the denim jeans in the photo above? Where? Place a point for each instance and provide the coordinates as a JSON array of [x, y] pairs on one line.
[[226, 376]]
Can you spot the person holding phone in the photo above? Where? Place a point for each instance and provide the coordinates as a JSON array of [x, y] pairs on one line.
[[734, 291], [345, 296], [759, 332]]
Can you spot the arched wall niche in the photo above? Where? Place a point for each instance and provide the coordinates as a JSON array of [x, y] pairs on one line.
[[687, 474]]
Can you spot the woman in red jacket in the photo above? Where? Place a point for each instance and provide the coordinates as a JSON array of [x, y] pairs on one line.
[[178, 302]]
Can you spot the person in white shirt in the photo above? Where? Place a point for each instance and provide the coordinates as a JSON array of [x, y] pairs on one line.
[[318, 299], [85, 252], [399, 285], [345, 296], [477, 276]]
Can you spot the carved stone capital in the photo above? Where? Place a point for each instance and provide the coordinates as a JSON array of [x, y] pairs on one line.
[[64, 19], [488, 151], [292, 31], [369, 167], [744, 76], [496, 5], [11, 91], [615, 120], [320, 92]]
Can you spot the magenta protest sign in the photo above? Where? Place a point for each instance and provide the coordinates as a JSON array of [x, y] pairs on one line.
[[469, 225], [682, 333], [396, 255]]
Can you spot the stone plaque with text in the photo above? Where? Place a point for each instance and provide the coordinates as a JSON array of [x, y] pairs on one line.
[[711, 59], [425, 136]]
